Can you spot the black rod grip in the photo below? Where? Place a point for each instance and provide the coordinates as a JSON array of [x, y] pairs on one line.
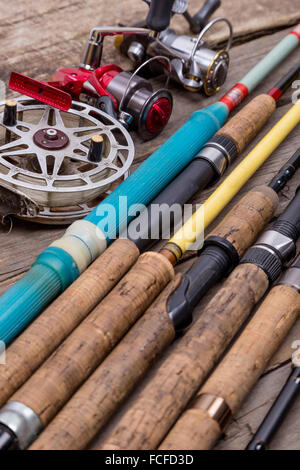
[[195, 177], [209, 269], [159, 16], [277, 413], [201, 18]]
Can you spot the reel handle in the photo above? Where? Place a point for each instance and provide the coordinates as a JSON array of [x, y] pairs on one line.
[[159, 16], [199, 20], [41, 91]]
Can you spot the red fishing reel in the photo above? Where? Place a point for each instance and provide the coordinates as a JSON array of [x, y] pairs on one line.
[[123, 95], [129, 97]]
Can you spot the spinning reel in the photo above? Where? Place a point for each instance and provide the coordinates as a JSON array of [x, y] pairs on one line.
[[55, 166], [193, 64], [125, 96]]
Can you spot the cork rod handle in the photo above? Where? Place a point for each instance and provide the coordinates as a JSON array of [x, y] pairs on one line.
[[243, 127], [51, 328], [93, 404], [239, 371], [59, 377]]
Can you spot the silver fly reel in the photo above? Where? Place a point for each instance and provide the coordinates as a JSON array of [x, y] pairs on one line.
[[45, 160]]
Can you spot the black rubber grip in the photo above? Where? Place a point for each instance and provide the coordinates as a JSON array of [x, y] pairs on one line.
[[270, 263], [201, 18], [159, 16], [211, 267], [228, 248]]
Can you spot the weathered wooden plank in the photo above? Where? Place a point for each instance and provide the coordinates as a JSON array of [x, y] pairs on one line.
[[28, 26], [255, 18], [22, 245]]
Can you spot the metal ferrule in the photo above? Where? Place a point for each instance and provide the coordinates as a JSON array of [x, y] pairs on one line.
[[215, 407], [277, 244], [217, 156], [292, 276], [174, 249], [22, 421]]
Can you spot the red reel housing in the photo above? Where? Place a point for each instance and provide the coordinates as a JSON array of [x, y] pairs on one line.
[[149, 110]]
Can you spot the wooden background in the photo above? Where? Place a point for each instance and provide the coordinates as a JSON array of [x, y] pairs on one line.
[[38, 37]]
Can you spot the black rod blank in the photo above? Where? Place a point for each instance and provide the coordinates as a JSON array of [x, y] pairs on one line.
[[277, 413]]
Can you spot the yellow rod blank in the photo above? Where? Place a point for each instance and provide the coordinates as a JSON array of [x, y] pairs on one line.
[[219, 199]]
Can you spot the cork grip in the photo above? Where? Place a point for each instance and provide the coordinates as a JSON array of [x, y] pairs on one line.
[[50, 329], [188, 435], [179, 377], [93, 404], [241, 367], [58, 378], [243, 127], [247, 219]]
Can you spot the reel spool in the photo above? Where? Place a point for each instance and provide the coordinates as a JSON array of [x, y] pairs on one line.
[[45, 159]]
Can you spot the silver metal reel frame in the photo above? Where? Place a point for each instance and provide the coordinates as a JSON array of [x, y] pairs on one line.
[[52, 191]]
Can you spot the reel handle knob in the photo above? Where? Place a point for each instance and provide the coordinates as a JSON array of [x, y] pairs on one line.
[[159, 16], [200, 19]]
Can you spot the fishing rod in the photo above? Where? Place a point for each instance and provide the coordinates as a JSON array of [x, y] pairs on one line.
[[278, 411], [85, 348], [137, 351], [224, 392], [53, 326], [211, 163], [63, 262], [193, 357]]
